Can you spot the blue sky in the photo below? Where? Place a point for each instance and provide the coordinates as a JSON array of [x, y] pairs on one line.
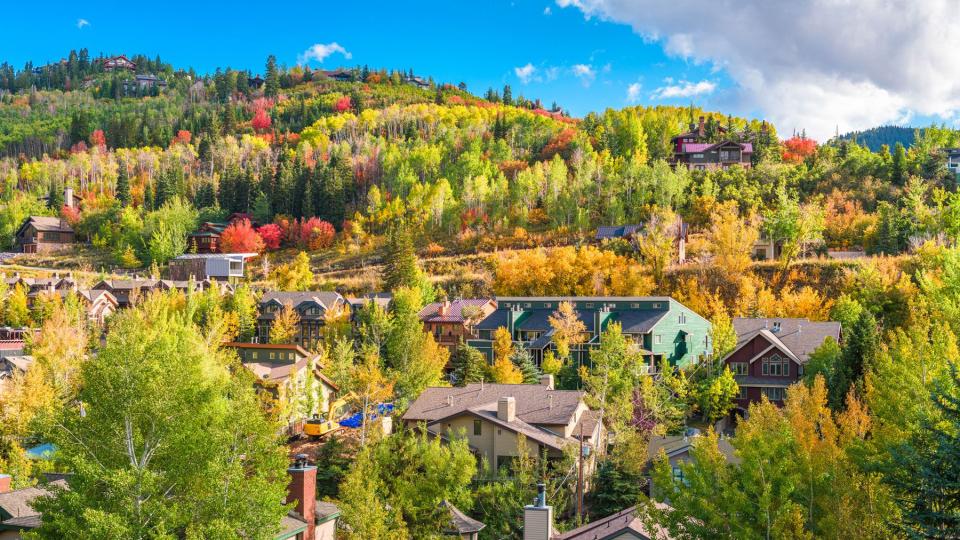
[[804, 64], [583, 65]]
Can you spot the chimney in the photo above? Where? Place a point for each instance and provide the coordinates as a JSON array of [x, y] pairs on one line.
[[5, 482], [547, 380], [700, 127], [444, 308], [302, 491], [538, 517], [68, 197], [507, 409]]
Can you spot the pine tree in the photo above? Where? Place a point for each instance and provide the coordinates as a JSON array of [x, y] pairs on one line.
[[507, 95], [123, 185], [898, 173], [524, 362], [469, 365], [860, 349], [400, 267], [271, 85]]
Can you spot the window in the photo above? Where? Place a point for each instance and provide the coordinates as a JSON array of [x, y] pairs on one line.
[[743, 393], [635, 306], [656, 305], [775, 394], [738, 368], [776, 326], [677, 473], [657, 339], [271, 355], [589, 304], [698, 156], [548, 305], [478, 427], [682, 318], [776, 366], [253, 355]]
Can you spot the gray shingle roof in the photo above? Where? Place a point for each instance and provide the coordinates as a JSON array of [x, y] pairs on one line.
[[460, 522], [454, 310], [48, 224], [614, 525], [533, 402], [17, 503], [326, 299], [800, 336]]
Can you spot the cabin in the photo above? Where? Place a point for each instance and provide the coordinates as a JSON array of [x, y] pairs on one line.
[[143, 83], [116, 63], [43, 234], [492, 416], [315, 309], [679, 230], [661, 327], [212, 266], [770, 355], [694, 151], [129, 291], [450, 322], [341, 75], [206, 239], [255, 82]]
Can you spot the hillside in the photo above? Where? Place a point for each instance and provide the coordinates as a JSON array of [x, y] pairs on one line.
[[874, 138]]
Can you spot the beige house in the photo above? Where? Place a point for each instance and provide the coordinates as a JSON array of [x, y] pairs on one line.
[[17, 515], [493, 416]]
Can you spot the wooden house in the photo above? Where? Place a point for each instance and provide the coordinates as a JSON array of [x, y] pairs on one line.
[[43, 234]]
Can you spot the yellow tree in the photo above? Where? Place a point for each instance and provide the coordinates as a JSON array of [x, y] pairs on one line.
[[731, 239], [568, 330], [505, 372], [502, 344], [295, 275], [657, 244], [18, 310], [59, 350], [286, 325]]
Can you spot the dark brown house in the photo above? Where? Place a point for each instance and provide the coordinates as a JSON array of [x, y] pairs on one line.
[[449, 322], [314, 308], [43, 234], [695, 151], [771, 355]]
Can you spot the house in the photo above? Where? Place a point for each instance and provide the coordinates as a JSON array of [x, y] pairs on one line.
[[207, 237], [255, 82], [679, 230], [212, 266], [43, 234], [339, 74], [97, 304], [770, 355], [419, 82], [659, 326], [11, 365], [627, 524], [314, 309], [16, 511], [118, 63], [449, 322], [953, 160], [284, 372], [460, 525], [382, 299], [142, 83], [35, 286], [128, 291], [677, 449], [694, 151], [310, 519], [492, 416], [765, 248]]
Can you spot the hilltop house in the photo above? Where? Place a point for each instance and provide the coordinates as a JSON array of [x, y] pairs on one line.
[[679, 230], [659, 326], [213, 266], [206, 239], [953, 160], [771, 353], [338, 74], [315, 309], [127, 291], [143, 83], [449, 322], [694, 151], [119, 63], [43, 234], [492, 416]]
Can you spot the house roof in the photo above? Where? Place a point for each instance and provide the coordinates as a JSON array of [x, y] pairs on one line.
[[291, 525], [325, 299], [799, 336], [677, 444], [231, 256], [533, 402], [697, 148], [460, 522], [616, 231], [20, 362], [612, 526], [276, 371], [326, 510], [638, 321], [46, 224], [17, 503], [267, 346], [454, 310]]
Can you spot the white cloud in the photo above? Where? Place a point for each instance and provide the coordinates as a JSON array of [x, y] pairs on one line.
[[525, 73], [585, 73], [82, 22], [551, 73], [812, 64], [633, 92], [547, 10], [684, 89], [320, 51]]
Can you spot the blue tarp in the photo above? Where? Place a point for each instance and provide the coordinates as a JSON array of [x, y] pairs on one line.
[[356, 420], [42, 451]]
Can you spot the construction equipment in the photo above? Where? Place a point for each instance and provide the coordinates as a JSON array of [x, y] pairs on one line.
[[317, 427]]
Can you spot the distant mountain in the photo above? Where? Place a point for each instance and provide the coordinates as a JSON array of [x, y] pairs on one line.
[[876, 137]]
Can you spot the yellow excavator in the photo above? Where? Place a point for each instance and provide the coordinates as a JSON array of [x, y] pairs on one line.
[[317, 427]]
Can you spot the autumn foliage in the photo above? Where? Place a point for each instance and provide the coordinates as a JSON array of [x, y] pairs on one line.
[[271, 234], [239, 237], [98, 139], [342, 104], [261, 120], [183, 137], [797, 149], [314, 233]]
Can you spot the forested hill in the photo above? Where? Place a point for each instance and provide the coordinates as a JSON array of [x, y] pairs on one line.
[[875, 138]]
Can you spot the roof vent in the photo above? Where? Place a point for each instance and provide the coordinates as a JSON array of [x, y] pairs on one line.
[[776, 326]]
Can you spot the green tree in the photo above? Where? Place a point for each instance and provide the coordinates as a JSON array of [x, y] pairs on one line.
[[243, 303], [860, 348], [796, 227], [469, 365], [271, 85], [716, 394], [18, 310], [898, 166], [400, 261], [164, 453], [823, 361], [413, 359]]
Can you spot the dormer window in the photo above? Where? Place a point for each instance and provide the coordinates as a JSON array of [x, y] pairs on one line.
[[776, 326]]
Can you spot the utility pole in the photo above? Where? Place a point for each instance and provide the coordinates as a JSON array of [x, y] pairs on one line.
[[580, 479], [363, 421]]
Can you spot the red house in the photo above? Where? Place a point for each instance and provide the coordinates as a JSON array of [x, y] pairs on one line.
[[771, 354], [119, 62], [694, 149]]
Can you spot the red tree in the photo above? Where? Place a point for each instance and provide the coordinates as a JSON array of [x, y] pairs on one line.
[[797, 149], [239, 237], [98, 139], [261, 120], [316, 234], [271, 234], [71, 214], [342, 104], [183, 137]]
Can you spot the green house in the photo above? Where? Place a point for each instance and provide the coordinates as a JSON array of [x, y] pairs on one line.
[[659, 325]]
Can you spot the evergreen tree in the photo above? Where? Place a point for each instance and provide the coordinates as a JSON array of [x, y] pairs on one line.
[[271, 86], [123, 185], [898, 165], [400, 264], [524, 362], [55, 196], [469, 365], [507, 95], [860, 348]]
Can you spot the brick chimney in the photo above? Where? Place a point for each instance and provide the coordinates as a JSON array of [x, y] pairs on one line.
[[302, 491], [538, 517], [68, 197], [5, 482], [507, 409], [444, 308], [700, 127]]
